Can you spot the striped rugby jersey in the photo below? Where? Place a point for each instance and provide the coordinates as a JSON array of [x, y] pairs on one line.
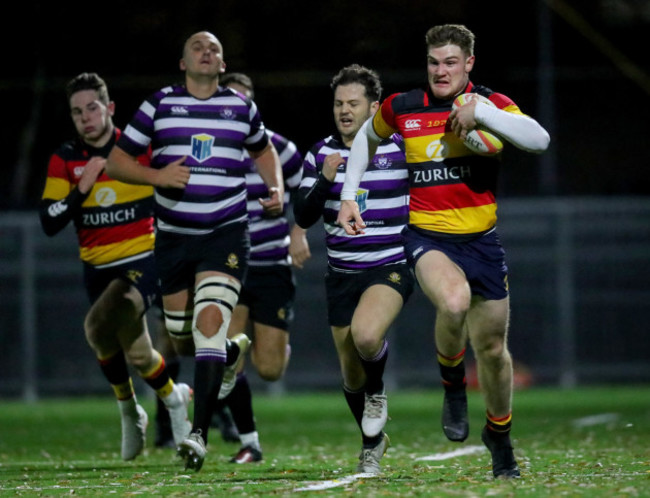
[[382, 199], [452, 189], [270, 235], [115, 221], [212, 133]]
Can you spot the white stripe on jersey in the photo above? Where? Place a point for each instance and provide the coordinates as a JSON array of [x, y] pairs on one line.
[[186, 150], [195, 207], [337, 231], [364, 256], [201, 124], [136, 136], [218, 180], [192, 231]]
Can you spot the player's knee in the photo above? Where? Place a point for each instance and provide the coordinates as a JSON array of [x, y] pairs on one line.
[[491, 349], [271, 371], [140, 359], [455, 305], [215, 299], [209, 320]]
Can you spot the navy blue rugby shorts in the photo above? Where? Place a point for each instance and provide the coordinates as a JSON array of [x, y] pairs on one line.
[[180, 257], [344, 289], [482, 258], [139, 272], [269, 293]]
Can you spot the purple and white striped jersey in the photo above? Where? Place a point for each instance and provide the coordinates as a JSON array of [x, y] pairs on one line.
[[383, 199], [270, 235], [213, 134]]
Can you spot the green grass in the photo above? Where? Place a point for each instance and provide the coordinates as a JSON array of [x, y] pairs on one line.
[[71, 446]]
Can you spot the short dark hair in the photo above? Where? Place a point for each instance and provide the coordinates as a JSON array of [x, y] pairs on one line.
[[88, 81], [239, 79], [451, 34], [356, 73]]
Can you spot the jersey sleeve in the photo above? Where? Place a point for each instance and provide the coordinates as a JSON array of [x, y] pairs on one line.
[[61, 200], [136, 137], [313, 191], [384, 122]]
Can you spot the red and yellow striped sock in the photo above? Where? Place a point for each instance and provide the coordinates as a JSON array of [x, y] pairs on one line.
[[452, 370], [116, 372], [158, 378], [501, 425]]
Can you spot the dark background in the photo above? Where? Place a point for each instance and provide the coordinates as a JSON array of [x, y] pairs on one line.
[[579, 67]]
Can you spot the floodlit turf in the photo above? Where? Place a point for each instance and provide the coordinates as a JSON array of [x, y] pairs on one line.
[[580, 442]]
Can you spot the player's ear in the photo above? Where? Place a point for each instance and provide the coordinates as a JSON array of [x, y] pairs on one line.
[[469, 63], [181, 65], [223, 67], [111, 108]]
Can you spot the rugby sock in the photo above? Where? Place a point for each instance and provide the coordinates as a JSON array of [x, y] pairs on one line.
[[173, 369], [232, 351], [356, 401], [208, 375], [498, 425], [117, 373], [158, 378], [251, 439], [452, 371], [240, 402], [374, 368]]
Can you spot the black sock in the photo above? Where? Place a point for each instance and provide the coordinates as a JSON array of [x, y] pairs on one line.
[[208, 375], [240, 402], [374, 368], [232, 351], [356, 401]]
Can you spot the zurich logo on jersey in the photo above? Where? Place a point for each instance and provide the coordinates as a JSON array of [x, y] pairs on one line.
[[202, 146]]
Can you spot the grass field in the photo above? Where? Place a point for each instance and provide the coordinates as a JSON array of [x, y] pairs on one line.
[[582, 442]]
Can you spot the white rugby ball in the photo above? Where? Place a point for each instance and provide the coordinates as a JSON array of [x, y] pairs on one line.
[[479, 140]]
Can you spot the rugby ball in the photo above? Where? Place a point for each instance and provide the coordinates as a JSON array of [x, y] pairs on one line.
[[479, 140]]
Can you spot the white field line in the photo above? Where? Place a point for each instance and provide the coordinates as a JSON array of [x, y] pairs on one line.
[[600, 419], [335, 483], [468, 450]]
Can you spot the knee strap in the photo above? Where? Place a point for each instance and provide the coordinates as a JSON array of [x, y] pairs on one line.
[[222, 292], [179, 323]]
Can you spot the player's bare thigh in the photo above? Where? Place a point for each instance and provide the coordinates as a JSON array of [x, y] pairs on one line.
[[443, 282], [377, 309]]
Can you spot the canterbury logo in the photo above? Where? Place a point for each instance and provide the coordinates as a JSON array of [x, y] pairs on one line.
[[57, 208], [411, 124], [179, 110]]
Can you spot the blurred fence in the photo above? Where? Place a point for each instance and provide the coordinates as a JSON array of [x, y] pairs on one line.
[[579, 279]]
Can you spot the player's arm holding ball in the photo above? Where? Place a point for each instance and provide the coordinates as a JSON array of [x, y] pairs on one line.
[[519, 129]]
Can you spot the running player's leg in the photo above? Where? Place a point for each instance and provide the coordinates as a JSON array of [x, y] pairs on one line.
[[488, 329], [446, 286]]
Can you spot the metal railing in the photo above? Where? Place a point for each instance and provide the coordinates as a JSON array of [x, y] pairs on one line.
[[579, 273]]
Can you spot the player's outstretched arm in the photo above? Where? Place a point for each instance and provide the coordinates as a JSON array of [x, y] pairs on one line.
[[363, 149]]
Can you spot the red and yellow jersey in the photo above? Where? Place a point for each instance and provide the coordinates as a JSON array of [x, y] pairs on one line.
[[452, 190], [115, 220]]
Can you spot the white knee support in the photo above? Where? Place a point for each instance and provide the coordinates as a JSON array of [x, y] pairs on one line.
[[223, 293], [179, 324]]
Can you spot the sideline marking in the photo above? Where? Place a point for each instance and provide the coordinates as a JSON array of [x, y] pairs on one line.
[[335, 483], [600, 419], [468, 450]]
